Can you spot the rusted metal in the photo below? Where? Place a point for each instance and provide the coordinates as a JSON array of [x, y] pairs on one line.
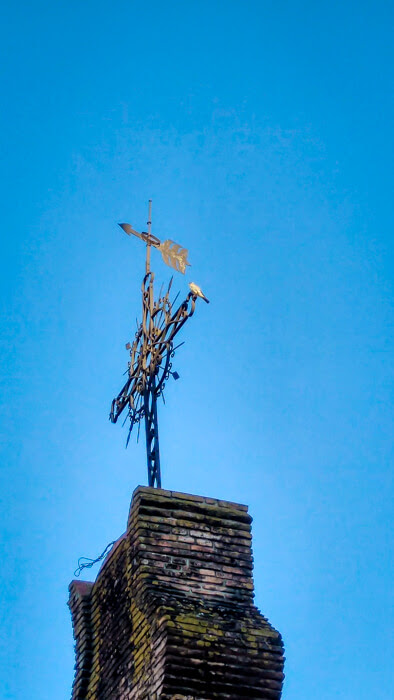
[[152, 350], [173, 254]]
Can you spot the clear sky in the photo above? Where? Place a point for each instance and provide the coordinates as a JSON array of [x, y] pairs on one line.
[[263, 133]]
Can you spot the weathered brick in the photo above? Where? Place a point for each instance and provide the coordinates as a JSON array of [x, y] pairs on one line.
[[171, 613]]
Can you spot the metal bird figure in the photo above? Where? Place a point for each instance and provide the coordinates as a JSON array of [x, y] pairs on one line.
[[197, 292]]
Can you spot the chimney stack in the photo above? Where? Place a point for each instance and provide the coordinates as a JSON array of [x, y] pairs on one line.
[[171, 614]]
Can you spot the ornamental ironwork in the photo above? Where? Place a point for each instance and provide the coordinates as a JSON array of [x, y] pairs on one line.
[[153, 349]]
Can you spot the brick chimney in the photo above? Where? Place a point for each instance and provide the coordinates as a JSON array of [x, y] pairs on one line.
[[171, 614]]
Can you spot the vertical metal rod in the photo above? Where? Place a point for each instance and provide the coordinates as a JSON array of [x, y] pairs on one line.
[[148, 245], [157, 474], [152, 435]]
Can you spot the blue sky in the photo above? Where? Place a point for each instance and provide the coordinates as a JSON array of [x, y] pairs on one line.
[[263, 133]]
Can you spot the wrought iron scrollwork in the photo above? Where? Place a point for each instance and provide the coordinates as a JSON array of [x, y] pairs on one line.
[[152, 349], [150, 367]]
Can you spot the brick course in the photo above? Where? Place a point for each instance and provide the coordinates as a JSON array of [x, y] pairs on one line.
[[171, 614]]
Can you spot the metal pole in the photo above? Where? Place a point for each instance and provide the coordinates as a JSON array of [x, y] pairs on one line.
[[152, 435], [148, 245]]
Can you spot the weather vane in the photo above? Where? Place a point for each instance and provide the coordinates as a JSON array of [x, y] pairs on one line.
[[153, 348]]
